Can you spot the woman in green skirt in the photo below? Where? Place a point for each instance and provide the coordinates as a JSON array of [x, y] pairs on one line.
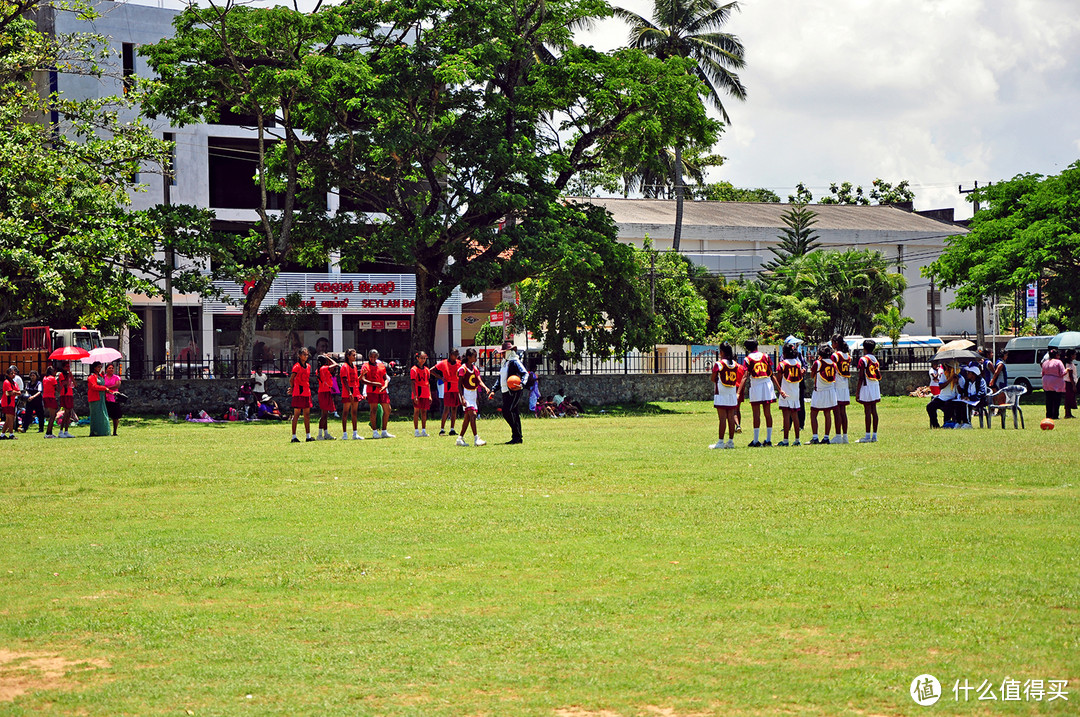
[[95, 394]]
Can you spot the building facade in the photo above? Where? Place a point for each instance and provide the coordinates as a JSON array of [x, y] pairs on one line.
[[213, 168], [733, 239]]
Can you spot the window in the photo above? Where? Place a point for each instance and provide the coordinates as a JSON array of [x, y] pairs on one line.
[[232, 164], [127, 52], [933, 297], [1020, 356], [933, 318]]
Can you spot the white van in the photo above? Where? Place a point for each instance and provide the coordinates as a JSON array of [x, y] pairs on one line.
[[1024, 361]]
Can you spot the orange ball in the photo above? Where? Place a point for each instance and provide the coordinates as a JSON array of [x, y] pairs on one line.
[[1047, 424], [513, 383]]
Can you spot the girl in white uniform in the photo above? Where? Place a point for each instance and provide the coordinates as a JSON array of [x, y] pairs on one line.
[[823, 374], [843, 383], [790, 371], [725, 378], [868, 390]]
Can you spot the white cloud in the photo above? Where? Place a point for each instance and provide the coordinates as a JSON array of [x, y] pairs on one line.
[[939, 92]]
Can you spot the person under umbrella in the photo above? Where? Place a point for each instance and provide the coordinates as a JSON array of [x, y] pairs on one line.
[[95, 395]]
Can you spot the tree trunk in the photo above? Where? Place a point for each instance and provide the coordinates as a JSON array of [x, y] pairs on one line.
[[248, 316], [677, 237], [426, 313]]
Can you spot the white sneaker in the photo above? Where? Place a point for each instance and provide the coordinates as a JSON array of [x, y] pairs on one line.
[[416, 433], [423, 433], [718, 444], [843, 439], [966, 425], [388, 435], [320, 437], [375, 434], [730, 444], [865, 439], [49, 435], [344, 436], [357, 437], [461, 441], [480, 442], [328, 437]]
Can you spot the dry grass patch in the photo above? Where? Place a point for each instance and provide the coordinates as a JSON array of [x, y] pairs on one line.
[[22, 672]]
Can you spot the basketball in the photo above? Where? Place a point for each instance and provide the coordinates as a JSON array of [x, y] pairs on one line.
[[1047, 424], [514, 383]]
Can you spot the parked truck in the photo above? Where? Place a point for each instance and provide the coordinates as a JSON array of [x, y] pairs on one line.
[[40, 341]]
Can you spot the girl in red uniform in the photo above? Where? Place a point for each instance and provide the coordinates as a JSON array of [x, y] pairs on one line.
[[373, 376], [300, 389], [65, 393], [349, 379], [326, 395], [7, 403], [48, 398], [470, 385], [420, 375]]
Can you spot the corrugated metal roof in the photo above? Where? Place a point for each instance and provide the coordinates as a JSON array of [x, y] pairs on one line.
[[751, 214]]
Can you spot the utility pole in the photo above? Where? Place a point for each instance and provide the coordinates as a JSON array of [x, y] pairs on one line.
[[170, 261], [980, 332], [652, 305]]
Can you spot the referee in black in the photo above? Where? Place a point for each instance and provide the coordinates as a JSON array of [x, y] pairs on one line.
[[511, 366]]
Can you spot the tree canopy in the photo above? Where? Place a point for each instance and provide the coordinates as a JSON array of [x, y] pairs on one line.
[[68, 244], [1028, 231]]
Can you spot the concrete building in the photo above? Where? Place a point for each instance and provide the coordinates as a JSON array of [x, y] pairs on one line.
[[213, 167], [733, 239]]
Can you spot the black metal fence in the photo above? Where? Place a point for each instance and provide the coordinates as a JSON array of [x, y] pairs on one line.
[[666, 361]]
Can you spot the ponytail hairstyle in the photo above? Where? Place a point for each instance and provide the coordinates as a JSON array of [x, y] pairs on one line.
[[726, 352]]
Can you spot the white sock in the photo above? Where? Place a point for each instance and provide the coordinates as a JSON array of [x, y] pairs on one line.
[[756, 433], [874, 435], [309, 434], [768, 434], [815, 437]]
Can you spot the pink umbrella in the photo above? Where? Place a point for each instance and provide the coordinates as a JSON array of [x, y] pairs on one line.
[[104, 354]]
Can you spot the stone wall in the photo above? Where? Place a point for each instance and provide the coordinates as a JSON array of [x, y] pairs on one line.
[[213, 396]]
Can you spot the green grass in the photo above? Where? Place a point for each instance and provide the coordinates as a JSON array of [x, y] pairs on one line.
[[610, 566]]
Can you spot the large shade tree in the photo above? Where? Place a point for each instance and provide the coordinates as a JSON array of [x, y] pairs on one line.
[[466, 140], [68, 244], [692, 29], [1027, 232]]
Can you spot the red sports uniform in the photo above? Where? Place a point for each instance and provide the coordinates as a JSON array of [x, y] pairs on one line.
[[8, 402], [301, 388], [66, 385], [326, 389], [377, 373], [421, 386], [350, 383], [48, 392], [451, 395]]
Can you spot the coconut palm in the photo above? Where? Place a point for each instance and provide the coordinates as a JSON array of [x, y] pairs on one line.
[[691, 28]]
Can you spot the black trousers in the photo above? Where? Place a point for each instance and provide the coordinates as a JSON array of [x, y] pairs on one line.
[[34, 408], [510, 413], [951, 411], [1053, 404]]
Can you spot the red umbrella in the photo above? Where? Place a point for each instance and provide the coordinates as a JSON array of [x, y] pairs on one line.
[[68, 353]]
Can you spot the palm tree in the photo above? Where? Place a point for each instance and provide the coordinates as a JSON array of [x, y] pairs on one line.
[[691, 28], [891, 323]]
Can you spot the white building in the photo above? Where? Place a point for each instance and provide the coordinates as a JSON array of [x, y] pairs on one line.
[[213, 168], [733, 239]]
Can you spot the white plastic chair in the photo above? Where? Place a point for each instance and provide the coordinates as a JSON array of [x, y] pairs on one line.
[[1012, 402]]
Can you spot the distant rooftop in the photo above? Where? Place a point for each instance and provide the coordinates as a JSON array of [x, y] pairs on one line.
[[768, 215]]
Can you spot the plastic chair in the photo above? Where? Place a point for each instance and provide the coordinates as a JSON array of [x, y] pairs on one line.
[[980, 409], [1012, 402]]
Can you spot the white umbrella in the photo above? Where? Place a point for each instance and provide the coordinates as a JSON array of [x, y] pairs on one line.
[[792, 339], [103, 354]]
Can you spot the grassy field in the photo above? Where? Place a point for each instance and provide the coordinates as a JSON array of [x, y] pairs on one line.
[[611, 566]]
